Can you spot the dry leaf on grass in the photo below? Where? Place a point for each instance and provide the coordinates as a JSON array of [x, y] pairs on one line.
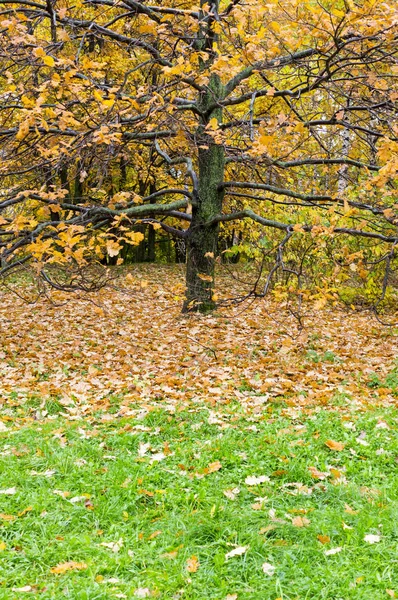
[[193, 564], [231, 493], [71, 565], [372, 539], [254, 480], [236, 552], [332, 445], [268, 569], [300, 522], [333, 551], [324, 539]]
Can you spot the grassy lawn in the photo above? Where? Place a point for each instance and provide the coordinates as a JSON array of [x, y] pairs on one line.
[[152, 504]]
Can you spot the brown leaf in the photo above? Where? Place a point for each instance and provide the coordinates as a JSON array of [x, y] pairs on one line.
[[316, 474], [300, 522]]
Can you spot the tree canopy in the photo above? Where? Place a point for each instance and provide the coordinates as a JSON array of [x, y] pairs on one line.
[[276, 118]]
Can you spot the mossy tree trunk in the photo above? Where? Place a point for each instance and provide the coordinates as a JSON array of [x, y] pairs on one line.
[[202, 238]]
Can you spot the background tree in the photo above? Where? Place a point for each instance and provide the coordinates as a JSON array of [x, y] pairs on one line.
[[278, 115]]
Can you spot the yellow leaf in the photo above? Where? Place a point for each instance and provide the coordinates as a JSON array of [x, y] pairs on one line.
[[23, 130], [39, 52], [275, 26], [3, 546], [113, 248], [68, 566], [49, 61], [212, 124], [24, 511]]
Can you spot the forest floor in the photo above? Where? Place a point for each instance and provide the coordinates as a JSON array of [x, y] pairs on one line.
[[233, 457]]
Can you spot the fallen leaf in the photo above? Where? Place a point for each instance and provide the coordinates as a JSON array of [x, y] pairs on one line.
[[324, 539], [25, 588], [68, 566], [300, 522], [3, 546], [25, 510], [193, 564], [214, 466], [114, 546], [391, 593], [333, 551], [236, 552], [254, 480], [170, 555], [154, 534], [268, 569], [142, 592], [370, 538], [316, 474], [231, 493], [9, 491], [349, 510], [338, 446]]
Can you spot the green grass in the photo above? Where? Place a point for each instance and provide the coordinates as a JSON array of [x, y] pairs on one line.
[[124, 496]]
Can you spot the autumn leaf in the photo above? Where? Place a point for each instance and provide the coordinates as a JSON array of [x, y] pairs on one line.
[[300, 522], [316, 474], [236, 552], [254, 480], [324, 539], [338, 446], [371, 538], [214, 466], [268, 569], [332, 551], [193, 564], [68, 566], [231, 494]]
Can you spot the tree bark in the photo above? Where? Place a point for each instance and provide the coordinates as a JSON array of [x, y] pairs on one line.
[[202, 239]]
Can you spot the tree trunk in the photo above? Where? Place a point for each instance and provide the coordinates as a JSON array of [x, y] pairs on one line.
[[202, 238]]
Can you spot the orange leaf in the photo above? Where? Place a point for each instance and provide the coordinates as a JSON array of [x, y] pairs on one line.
[[68, 566], [214, 466], [193, 564], [324, 539], [334, 445]]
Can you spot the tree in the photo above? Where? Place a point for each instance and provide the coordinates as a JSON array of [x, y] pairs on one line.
[[186, 118]]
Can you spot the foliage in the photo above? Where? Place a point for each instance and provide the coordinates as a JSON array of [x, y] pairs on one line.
[[131, 120]]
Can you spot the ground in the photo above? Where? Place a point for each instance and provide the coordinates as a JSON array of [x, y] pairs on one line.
[[148, 454]]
